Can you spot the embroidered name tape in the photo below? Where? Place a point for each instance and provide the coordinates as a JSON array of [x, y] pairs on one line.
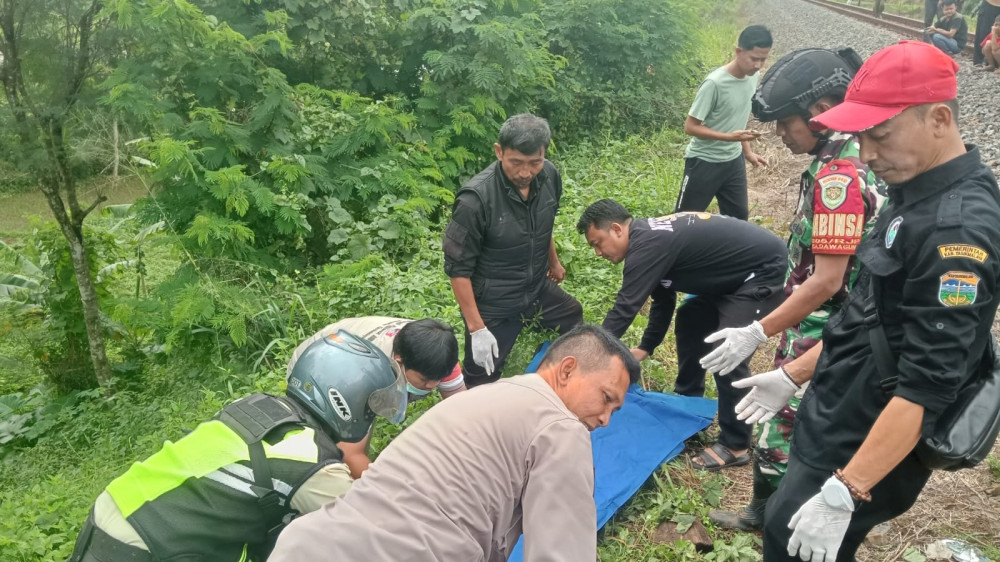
[[963, 251]]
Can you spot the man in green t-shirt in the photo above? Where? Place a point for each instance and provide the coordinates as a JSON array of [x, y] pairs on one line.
[[714, 160]]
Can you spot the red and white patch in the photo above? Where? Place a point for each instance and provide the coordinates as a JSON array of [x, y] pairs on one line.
[[838, 209]]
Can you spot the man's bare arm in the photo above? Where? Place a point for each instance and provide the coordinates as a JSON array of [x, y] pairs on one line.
[[804, 366], [895, 433], [462, 287], [695, 128], [825, 281]]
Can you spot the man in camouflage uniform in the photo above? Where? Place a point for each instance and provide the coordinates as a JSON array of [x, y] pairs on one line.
[[838, 200]]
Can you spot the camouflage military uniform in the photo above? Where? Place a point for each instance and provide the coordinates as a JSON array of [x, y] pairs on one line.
[[838, 199]]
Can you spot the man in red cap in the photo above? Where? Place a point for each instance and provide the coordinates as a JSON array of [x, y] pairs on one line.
[[929, 276]]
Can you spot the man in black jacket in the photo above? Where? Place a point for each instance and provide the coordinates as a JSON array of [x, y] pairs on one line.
[[930, 265], [499, 251], [735, 268]]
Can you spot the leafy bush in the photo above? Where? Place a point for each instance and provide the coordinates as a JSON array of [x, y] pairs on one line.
[[48, 290], [289, 174], [630, 64]]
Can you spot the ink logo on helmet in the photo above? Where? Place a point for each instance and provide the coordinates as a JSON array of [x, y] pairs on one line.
[[890, 235], [340, 406]]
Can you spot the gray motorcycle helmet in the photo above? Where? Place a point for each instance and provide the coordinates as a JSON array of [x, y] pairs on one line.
[[346, 381], [802, 78]]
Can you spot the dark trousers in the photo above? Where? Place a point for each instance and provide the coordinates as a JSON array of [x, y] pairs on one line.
[[984, 21], [930, 12], [555, 309], [891, 497], [700, 316], [725, 181]]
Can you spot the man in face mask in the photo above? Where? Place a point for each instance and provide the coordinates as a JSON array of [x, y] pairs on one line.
[[424, 350]]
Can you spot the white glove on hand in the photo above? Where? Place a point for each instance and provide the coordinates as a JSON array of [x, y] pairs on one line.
[[484, 349], [771, 391], [819, 526], [740, 343]]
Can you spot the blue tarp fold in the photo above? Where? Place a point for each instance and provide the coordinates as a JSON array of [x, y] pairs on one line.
[[647, 431]]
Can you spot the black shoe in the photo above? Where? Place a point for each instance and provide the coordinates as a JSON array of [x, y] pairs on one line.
[[750, 518]]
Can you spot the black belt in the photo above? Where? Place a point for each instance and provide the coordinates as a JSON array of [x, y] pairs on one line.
[[94, 545]]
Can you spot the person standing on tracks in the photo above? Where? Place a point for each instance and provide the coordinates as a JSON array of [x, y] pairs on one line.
[[715, 160], [931, 269], [989, 10], [838, 201], [950, 31]]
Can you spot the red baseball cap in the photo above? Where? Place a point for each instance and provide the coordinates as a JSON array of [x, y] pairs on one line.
[[897, 77]]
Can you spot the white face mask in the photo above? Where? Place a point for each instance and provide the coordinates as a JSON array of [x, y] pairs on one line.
[[416, 391]]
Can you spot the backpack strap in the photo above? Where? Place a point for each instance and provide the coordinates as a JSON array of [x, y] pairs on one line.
[[885, 360], [253, 419]]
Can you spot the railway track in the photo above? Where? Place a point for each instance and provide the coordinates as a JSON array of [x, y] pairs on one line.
[[899, 24]]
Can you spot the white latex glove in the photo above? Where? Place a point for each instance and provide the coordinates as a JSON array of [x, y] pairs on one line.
[[484, 349], [770, 393], [740, 343], [819, 526]]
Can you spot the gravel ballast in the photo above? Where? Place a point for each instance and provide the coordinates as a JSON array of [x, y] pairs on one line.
[[796, 24]]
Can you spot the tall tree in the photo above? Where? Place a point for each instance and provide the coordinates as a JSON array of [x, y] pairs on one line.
[[49, 57]]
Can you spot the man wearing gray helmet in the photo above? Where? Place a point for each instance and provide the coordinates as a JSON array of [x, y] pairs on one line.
[[838, 201], [425, 351], [225, 490]]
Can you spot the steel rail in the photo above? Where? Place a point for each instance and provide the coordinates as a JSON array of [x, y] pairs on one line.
[[900, 24]]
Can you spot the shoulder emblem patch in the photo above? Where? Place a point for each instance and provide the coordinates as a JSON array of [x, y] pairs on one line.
[[838, 209], [834, 182], [963, 251], [890, 234], [833, 189], [958, 288]]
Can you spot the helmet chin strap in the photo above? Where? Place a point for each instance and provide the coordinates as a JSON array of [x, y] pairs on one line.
[[822, 137]]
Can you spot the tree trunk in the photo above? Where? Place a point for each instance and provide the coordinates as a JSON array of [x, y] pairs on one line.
[[878, 8], [114, 173], [45, 126], [84, 282], [91, 311]]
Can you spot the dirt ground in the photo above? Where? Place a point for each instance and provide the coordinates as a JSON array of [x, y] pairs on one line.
[[964, 504]]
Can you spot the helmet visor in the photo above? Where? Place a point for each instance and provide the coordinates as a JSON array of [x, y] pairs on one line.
[[390, 401]]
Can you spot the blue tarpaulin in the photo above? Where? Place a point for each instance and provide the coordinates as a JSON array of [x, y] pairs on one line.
[[647, 431]]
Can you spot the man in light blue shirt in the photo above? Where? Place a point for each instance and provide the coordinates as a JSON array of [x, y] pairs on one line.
[[714, 162]]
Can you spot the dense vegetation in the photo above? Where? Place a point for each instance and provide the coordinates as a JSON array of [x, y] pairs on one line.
[[299, 158]]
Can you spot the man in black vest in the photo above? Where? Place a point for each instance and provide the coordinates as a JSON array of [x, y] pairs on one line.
[[499, 251]]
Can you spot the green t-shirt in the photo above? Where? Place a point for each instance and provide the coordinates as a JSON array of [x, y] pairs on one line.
[[722, 104]]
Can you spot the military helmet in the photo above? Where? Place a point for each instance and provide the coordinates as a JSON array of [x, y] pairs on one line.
[[801, 78], [346, 381]]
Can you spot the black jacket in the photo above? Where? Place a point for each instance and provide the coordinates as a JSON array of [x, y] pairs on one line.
[[695, 253], [934, 257], [501, 241]]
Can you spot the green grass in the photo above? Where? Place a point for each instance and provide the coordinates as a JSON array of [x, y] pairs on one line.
[[49, 481], [48, 484], [16, 209]]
